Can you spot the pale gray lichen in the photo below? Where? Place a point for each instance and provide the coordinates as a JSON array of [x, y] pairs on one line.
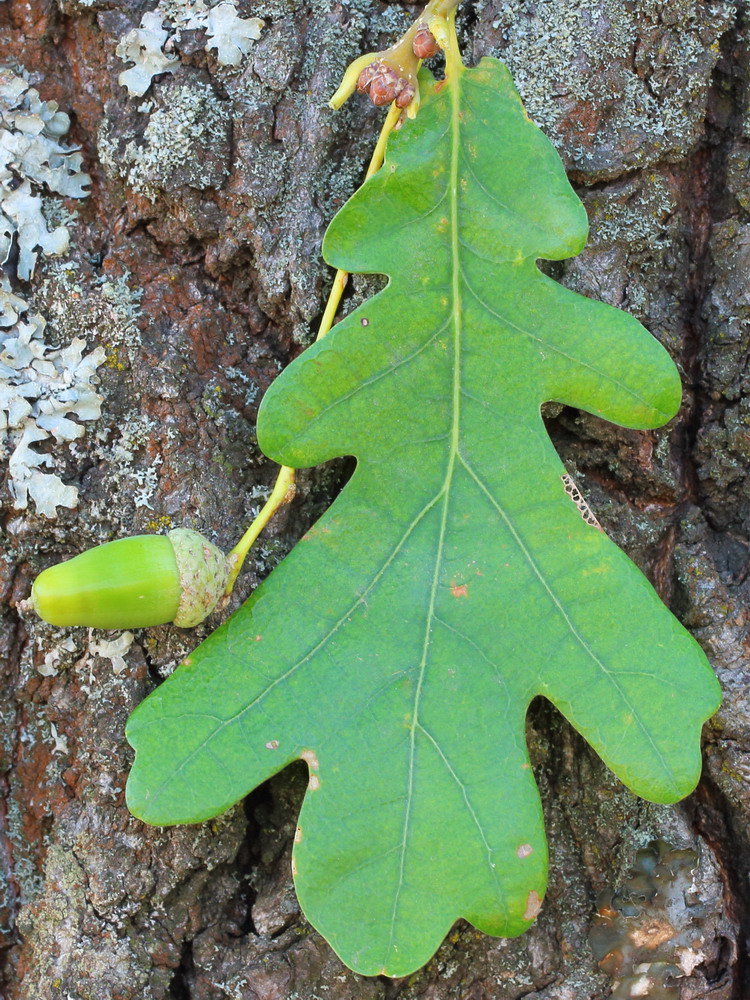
[[126, 476], [143, 47], [113, 650], [150, 47], [54, 654], [41, 388], [43, 385], [633, 215], [232, 36], [33, 162], [106, 305]]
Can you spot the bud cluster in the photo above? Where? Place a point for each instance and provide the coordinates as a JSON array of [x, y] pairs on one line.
[[386, 84], [391, 75]]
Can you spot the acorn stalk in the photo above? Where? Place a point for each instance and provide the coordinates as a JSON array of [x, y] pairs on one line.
[[134, 583]]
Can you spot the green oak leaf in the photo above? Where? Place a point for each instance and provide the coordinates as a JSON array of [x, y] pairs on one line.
[[456, 578]]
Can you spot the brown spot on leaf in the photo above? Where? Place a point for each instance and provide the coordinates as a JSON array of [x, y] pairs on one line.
[[272, 745], [533, 905], [524, 850], [459, 591]]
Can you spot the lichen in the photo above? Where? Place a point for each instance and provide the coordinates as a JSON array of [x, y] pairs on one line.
[[186, 142], [33, 161], [151, 47], [128, 479], [55, 655], [106, 306], [113, 650], [616, 86], [143, 47], [41, 388], [232, 36], [43, 383]]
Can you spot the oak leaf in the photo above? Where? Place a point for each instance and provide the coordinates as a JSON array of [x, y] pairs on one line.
[[457, 577]]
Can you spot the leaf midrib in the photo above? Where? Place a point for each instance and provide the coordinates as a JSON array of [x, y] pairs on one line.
[[416, 726], [454, 455]]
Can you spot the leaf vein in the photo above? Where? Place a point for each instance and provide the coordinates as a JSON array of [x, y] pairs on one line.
[[431, 338], [501, 895], [556, 350], [576, 634], [333, 630], [453, 451], [467, 639]]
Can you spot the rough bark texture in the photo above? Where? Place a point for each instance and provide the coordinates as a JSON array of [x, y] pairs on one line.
[[197, 267]]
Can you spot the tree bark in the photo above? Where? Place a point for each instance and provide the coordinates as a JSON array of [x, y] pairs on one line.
[[195, 262]]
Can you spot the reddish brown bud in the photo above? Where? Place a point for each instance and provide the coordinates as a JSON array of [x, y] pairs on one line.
[[367, 75], [406, 96], [425, 44], [381, 92]]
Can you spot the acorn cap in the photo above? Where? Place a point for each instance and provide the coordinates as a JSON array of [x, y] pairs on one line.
[[128, 583], [203, 572]]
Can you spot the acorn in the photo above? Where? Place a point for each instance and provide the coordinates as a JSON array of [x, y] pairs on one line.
[[134, 583]]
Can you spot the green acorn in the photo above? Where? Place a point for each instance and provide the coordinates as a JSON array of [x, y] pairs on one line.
[[135, 582]]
